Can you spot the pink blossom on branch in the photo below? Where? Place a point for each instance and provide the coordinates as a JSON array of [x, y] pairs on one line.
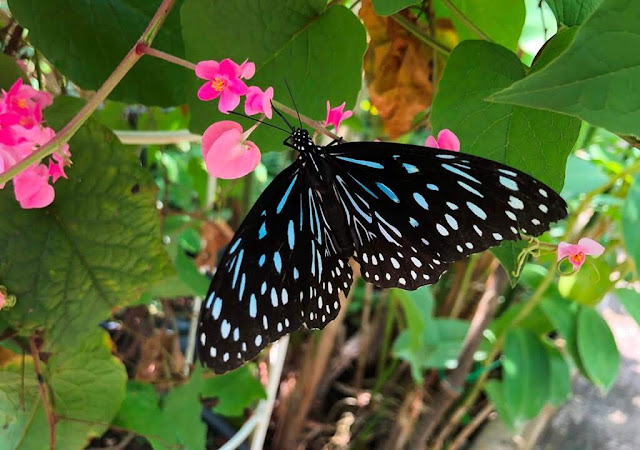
[[227, 152], [224, 81], [258, 101], [447, 140], [32, 188], [577, 253], [336, 115]]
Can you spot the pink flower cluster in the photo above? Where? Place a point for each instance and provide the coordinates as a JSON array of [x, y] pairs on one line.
[[21, 133]]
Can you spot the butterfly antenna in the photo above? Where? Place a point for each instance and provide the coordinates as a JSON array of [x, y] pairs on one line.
[[283, 118], [259, 121], [286, 83]]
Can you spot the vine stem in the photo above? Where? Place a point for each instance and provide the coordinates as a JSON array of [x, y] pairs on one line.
[[101, 94], [285, 109], [421, 35], [464, 19], [534, 300], [51, 418]]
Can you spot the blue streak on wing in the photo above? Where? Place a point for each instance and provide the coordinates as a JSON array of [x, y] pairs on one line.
[[388, 192], [362, 162], [286, 195], [277, 261], [291, 235], [237, 268], [263, 230]]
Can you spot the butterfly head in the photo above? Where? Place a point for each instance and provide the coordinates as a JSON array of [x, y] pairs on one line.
[[300, 140]]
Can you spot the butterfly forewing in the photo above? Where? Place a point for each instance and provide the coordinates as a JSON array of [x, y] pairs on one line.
[[412, 210], [280, 271]]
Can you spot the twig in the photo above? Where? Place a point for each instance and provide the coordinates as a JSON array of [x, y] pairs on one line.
[[101, 94], [464, 19], [51, 418], [464, 286], [467, 431], [277, 355], [417, 32], [366, 335], [454, 382], [156, 137]]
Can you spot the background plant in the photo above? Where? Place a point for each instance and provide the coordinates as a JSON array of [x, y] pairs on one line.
[[131, 231]]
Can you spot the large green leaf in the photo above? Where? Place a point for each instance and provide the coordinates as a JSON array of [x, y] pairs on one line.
[[87, 383], [388, 7], [572, 12], [176, 420], [631, 222], [597, 348], [9, 72], [582, 176], [527, 373], [96, 247], [318, 51], [594, 78], [630, 299], [495, 392], [537, 142], [501, 20], [86, 40], [560, 382]]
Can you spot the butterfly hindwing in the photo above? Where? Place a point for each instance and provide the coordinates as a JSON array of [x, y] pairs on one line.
[[277, 274], [412, 210]]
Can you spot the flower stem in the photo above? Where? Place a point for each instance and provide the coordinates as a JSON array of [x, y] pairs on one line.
[[143, 48], [101, 94]]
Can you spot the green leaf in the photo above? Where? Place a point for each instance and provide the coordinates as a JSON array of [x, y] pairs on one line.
[[592, 78], [631, 222], [588, 285], [572, 12], [582, 176], [189, 274], [597, 348], [318, 50], [96, 247], [90, 39], [427, 342], [388, 7], [526, 374], [537, 142], [552, 48], [560, 381], [502, 22], [177, 422], [9, 72], [87, 383], [630, 299], [495, 392]]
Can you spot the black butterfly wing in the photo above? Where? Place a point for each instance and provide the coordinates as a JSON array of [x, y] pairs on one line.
[[275, 275], [412, 210]]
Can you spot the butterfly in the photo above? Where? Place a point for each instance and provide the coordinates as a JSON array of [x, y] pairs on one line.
[[403, 212]]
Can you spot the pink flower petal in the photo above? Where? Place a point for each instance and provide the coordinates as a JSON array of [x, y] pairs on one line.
[[207, 70], [565, 249], [448, 141], [431, 142], [237, 86], [32, 188], [229, 69], [207, 92], [247, 69], [228, 157], [3, 300], [216, 130], [336, 115], [590, 247], [258, 101], [228, 101]]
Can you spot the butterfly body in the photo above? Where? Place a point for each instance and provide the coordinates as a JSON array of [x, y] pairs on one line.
[[403, 212]]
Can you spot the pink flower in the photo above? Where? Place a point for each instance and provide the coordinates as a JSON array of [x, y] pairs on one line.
[[258, 101], [447, 140], [226, 151], [336, 115], [3, 299], [247, 69], [32, 188], [224, 81], [577, 253]]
